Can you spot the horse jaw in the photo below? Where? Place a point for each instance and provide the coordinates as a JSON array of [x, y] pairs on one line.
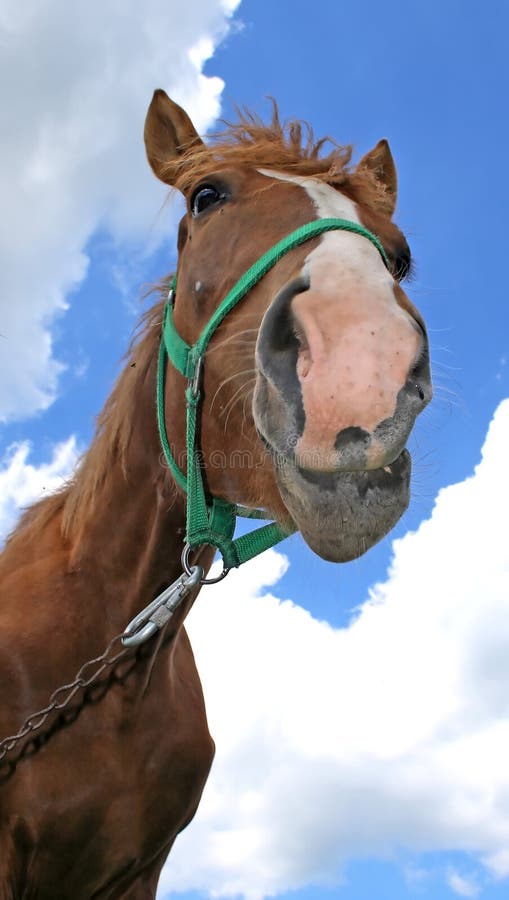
[[341, 515]]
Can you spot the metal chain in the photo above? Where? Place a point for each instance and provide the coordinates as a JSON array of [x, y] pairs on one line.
[[150, 620], [61, 698]]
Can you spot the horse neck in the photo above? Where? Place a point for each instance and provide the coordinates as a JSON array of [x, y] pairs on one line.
[[132, 535]]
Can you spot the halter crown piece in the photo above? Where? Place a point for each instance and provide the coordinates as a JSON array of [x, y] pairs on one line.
[[211, 520]]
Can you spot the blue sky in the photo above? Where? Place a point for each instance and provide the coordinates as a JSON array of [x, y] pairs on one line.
[[87, 227]]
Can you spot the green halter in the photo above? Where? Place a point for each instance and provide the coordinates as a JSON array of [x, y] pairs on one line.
[[211, 520]]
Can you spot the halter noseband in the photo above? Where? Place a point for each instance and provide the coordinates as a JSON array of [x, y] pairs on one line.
[[211, 520]]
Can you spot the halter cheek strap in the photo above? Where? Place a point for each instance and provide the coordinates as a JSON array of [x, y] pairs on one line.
[[211, 520]]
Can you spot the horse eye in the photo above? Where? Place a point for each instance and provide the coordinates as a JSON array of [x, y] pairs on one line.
[[401, 266], [203, 198]]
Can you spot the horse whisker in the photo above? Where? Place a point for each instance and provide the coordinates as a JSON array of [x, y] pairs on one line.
[[225, 381], [231, 403], [230, 338]]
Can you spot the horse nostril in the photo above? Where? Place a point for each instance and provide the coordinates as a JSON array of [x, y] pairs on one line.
[[419, 377], [277, 333]]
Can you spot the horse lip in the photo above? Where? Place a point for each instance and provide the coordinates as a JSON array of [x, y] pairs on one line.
[[385, 476]]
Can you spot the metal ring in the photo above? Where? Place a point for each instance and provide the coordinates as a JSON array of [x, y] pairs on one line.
[[188, 569]]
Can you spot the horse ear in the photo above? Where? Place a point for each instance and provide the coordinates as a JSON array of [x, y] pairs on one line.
[[169, 132], [380, 163]]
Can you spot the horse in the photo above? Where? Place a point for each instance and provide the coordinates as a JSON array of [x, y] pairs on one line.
[[299, 402]]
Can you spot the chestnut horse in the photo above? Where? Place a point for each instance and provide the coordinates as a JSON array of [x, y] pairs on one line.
[[309, 391]]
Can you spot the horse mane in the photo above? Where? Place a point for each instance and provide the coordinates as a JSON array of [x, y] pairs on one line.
[[75, 500], [289, 146]]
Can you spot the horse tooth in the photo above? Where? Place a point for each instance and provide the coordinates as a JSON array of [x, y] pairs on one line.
[[388, 469]]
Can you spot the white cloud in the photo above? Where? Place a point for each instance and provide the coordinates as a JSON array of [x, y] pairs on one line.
[[461, 885], [392, 732], [498, 863], [22, 483], [76, 82]]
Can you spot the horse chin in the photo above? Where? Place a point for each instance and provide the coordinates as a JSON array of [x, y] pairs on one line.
[[342, 514]]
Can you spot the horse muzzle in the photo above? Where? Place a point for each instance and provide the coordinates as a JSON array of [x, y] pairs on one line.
[[342, 373]]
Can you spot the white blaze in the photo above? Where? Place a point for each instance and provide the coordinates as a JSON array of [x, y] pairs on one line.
[[353, 251]]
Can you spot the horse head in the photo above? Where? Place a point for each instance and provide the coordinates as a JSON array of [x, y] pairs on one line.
[[313, 382]]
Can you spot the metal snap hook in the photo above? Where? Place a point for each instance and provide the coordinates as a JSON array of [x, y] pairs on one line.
[[159, 612]]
